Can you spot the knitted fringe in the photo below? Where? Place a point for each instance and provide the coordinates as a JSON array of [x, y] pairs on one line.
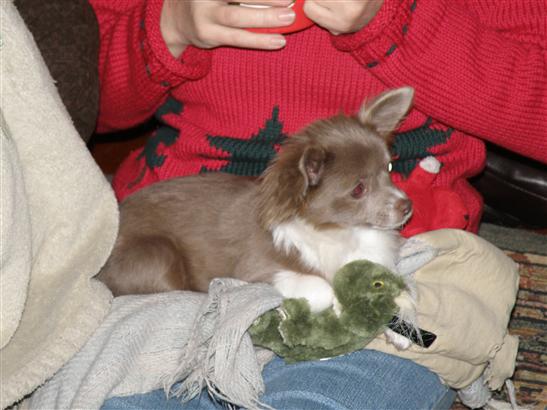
[[220, 354]]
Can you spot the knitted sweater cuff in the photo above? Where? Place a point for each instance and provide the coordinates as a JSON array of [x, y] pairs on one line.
[[381, 36], [160, 64]]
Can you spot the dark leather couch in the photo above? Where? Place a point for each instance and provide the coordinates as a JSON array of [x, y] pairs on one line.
[[514, 189]]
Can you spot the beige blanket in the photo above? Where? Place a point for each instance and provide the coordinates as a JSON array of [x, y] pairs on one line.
[[465, 297], [58, 221]]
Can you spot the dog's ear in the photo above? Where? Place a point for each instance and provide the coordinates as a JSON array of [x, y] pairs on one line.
[[385, 112], [312, 165], [284, 185]]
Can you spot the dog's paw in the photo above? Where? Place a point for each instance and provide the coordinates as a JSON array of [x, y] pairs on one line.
[[406, 302], [316, 290], [399, 341], [407, 313]]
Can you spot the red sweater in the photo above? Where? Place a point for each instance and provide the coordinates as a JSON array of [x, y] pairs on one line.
[[478, 68]]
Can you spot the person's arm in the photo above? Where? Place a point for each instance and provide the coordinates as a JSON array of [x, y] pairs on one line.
[[149, 47], [136, 69], [489, 83]]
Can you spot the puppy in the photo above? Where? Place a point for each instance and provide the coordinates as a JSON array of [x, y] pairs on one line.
[[325, 200]]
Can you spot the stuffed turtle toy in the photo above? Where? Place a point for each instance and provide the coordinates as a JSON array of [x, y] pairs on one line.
[[366, 292]]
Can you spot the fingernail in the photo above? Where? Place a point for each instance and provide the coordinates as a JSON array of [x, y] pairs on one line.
[[278, 42], [286, 16]]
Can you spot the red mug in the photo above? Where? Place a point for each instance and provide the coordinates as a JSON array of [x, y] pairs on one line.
[[300, 22]]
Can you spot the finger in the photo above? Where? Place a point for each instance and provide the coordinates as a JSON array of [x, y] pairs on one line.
[[239, 38], [325, 4], [270, 3], [346, 16], [321, 14], [247, 17]]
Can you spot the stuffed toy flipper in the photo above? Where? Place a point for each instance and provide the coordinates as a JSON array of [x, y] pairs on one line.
[[366, 293]]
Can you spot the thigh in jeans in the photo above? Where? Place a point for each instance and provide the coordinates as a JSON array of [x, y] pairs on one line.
[[362, 380]]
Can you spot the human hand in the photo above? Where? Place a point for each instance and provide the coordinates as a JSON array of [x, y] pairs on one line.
[[213, 23], [342, 16]]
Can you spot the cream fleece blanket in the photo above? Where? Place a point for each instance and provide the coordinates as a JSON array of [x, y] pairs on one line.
[[58, 221]]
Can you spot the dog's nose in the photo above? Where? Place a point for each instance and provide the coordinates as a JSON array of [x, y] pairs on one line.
[[404, 206]]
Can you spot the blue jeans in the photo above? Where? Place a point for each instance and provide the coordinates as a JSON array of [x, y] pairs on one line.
[[362, 380]]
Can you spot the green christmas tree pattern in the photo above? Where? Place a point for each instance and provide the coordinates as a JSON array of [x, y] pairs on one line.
[[250, 157], [164, 134], [413, 145]]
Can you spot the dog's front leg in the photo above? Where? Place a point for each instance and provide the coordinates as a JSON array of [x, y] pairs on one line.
[[316, 290]]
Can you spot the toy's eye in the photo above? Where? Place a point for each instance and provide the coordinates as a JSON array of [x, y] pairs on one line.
[[358, 191], [378, 284], [390, 167]]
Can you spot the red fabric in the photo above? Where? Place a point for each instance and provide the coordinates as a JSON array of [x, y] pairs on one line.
[[301, 21], [478, 68], [434, 207]]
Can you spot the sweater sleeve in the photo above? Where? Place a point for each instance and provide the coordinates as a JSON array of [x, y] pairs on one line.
[[476, 68], [136, 69]]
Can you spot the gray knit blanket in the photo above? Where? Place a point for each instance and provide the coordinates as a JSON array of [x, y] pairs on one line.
[[152, 341]]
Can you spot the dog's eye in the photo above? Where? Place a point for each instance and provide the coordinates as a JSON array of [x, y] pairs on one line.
[[390, 167], [358, 191], [378, 284]]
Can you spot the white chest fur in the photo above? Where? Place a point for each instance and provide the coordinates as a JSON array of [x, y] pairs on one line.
[[327, 250]]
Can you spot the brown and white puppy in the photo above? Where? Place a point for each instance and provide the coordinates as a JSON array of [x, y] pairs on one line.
[[325, 200]]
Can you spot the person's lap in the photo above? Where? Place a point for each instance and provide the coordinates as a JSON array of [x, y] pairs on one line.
[[362, 380]]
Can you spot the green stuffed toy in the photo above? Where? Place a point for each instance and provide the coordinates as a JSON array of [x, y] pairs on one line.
[[366, 292]]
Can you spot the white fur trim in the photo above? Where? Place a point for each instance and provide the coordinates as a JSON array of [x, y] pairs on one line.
[[431, 165], [407, 307], [397, 340], [407, 312]]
